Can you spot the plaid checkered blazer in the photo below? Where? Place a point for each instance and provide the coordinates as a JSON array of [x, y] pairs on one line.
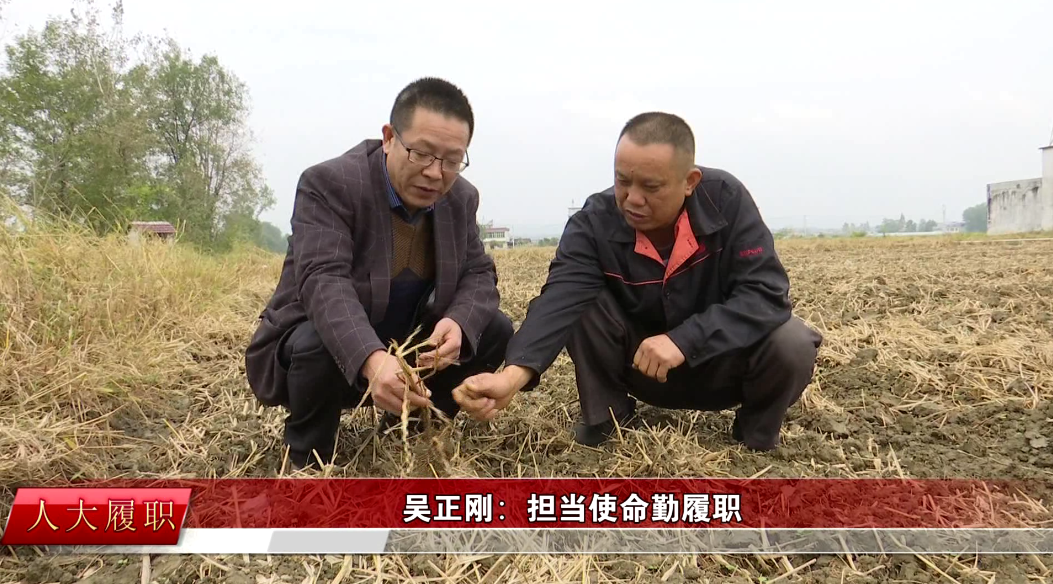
[[337, 271]]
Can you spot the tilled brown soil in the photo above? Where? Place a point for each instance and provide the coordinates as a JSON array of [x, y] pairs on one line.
[[937, 362]]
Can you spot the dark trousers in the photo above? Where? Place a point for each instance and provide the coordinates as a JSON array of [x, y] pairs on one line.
[[763, 380], [318, 391]]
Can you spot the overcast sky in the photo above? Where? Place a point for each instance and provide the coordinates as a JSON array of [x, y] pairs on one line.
[[832, 111]]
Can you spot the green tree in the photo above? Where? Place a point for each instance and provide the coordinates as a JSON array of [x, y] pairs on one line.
[[199, 114], [73, 132], [90, 133], [270, 237], [975, 218]]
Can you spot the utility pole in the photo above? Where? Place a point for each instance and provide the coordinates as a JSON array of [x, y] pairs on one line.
[[944, 225]]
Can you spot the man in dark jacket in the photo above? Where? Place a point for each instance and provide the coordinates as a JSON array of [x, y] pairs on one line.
[[665, 288], [384, 239]]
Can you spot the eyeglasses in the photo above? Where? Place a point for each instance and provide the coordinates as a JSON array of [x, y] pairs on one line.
[[425, 159]]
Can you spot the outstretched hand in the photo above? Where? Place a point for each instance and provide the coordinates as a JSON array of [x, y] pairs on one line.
[[483, 396]]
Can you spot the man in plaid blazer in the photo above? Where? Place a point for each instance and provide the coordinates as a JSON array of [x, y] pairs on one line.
[[384, 239]]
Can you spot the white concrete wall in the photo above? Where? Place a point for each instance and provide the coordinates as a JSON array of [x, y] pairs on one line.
[[1046, 192], [1015, 206]]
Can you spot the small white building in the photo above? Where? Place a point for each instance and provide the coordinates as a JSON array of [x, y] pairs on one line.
[[1023, 205], [496, 237]]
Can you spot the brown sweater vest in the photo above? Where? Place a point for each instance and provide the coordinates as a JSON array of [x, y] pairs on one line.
[[412, 272], [413, 247]]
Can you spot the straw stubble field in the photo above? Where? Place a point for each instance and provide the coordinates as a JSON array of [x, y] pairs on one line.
[[127, 362]]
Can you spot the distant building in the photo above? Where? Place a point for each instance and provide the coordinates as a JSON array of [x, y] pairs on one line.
[[162, 229], [1022, 205], [953, 227], [571, 210], [495, 237]]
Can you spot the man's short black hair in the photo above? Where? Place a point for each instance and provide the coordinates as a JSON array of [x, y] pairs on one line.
[[661, 128], [437, 95]]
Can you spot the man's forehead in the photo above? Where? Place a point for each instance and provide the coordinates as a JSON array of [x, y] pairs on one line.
[[642, 168], [434, 142], [438, 131], [628, 146], [653, 155]]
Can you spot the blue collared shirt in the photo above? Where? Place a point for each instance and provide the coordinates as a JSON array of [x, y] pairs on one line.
[[396, 201]]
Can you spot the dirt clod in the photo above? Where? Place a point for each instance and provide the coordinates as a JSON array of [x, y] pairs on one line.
[[864, 356], [692, 573]]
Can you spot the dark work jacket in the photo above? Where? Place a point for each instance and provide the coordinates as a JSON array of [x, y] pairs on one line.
[[724, 288]]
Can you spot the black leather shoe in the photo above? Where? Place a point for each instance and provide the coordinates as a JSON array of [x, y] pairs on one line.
[[597, 434]]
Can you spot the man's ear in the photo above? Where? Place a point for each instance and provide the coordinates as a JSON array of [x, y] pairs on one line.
[[694, 176], [388, 131]]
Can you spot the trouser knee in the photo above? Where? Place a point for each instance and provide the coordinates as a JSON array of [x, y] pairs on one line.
[[601, 334], [780, 369], [787, 357], [494, 342]]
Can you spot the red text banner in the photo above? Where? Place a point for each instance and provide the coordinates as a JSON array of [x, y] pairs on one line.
[[97, 516], [393, 503]]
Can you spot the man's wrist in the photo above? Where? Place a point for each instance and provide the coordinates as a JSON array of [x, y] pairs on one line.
[[518, 376], [369, 365], [682, 343]]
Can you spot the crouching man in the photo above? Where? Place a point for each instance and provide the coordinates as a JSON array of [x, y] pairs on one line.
[[665, 288], [384, 239]]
